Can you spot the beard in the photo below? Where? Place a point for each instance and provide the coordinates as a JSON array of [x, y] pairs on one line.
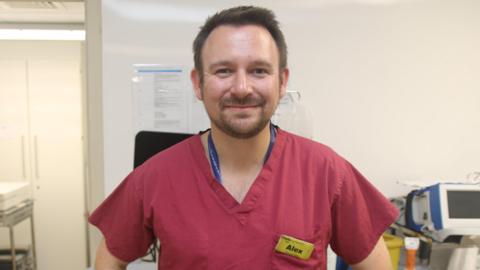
[[242, 125]]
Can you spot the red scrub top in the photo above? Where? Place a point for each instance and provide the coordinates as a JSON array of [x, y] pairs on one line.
[[305, 190]]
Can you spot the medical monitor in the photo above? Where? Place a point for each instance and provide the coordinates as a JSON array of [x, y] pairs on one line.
[[446, 209], [460, 205]]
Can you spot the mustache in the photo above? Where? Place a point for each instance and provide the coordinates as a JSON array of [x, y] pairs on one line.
[[246, 101]]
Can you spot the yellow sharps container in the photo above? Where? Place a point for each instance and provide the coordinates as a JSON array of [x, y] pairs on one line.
[[394, 244]]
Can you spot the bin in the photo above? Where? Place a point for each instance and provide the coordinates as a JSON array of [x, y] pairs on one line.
[[394, 245]]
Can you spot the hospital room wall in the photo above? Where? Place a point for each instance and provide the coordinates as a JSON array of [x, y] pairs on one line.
[[395, 88], [392, 85]]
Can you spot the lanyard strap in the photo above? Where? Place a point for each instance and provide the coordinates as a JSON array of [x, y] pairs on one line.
[[215, 163]]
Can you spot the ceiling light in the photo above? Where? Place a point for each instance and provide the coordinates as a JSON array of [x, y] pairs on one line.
[[37, 34]]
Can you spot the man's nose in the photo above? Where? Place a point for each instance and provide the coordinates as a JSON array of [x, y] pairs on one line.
[[241, 86]]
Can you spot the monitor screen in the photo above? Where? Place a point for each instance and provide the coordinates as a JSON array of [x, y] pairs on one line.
[[463, 204], [148, 143]]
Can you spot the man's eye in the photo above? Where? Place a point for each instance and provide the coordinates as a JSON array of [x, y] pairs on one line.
[[223, 72], [260, 71]]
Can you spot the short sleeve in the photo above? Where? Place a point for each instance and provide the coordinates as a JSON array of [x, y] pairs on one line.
[[360, 215], [124, 222]]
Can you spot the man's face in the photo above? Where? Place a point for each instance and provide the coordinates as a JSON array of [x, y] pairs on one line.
[[242, 83]]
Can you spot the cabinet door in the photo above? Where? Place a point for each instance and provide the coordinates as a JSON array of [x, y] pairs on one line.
[[14, 162], [55, 113]]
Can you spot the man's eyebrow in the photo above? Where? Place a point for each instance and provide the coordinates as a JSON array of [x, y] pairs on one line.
[[262, 63], [219, 63]]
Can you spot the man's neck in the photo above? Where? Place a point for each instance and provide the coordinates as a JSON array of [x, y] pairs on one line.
[[241, 160], [237, 153]]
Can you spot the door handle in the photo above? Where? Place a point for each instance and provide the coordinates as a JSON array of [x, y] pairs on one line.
[[35, 147], [24, 169]]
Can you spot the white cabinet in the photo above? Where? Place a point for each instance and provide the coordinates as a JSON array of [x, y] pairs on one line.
[[41, 142], [13, 120]]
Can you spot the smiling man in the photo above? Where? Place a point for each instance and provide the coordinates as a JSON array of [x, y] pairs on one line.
[[244, 194]]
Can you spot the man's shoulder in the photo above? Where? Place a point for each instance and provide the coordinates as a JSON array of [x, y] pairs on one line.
[[165, 164], [313, 152], [307, 145]]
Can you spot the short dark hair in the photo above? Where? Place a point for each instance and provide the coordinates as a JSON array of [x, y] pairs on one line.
[[238, 16]]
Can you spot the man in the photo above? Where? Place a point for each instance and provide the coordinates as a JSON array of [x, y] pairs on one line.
[[244, 194]]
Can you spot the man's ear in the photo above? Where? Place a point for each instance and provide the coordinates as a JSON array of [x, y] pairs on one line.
[[197, 85], [284, 75]]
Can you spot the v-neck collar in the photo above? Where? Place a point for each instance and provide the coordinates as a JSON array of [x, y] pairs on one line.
[[257, 188]]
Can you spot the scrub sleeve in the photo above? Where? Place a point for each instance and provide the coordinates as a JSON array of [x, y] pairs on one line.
[[124, 221], [360, 215]]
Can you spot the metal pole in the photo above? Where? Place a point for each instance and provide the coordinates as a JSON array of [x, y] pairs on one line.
[[12, 248], [34, 251]]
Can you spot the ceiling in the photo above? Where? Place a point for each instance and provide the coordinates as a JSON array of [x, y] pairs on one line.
[[21, 12]]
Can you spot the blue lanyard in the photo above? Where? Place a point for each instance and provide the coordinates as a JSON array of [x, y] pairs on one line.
[[212, 152]]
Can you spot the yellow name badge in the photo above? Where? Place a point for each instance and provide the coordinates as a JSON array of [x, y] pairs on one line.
[[294, 247]]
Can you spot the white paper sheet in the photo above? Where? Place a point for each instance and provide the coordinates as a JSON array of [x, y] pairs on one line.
[[164, 100]]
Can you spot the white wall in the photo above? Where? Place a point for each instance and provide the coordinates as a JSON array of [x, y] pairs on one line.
[[394, 88], [392, 85]]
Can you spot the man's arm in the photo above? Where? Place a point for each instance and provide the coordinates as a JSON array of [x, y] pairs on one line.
[[378, 259], [106, 261]]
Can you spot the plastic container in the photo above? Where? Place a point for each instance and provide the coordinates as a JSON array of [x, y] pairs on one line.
[[21, 259], [394, 245], [13, 193]]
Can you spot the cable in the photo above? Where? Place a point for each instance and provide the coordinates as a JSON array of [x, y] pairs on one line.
[[151, 255]]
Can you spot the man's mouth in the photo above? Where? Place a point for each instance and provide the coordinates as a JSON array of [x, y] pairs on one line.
[[242, 104]]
